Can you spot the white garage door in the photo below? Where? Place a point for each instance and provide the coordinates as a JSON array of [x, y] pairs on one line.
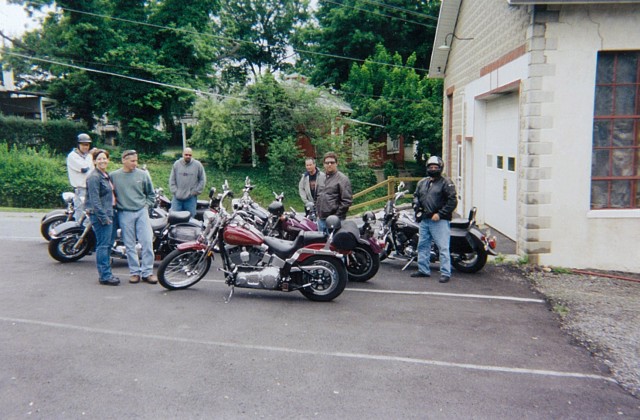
[[502, 132]]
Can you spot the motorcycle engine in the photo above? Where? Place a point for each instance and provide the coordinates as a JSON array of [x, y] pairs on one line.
[[266, 278], [245, 256]]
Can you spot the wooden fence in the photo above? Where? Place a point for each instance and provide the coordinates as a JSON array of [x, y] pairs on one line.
[[390, 184]]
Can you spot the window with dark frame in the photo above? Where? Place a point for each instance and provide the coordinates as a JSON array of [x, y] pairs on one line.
[[615, 161]]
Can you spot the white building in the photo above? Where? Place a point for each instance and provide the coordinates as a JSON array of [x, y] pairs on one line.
[[542, 124]]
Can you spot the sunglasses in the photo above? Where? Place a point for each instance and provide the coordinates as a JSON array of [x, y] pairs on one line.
[[128, 153], [330, 162]]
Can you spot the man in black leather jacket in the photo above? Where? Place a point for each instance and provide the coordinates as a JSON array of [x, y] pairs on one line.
[[334, 197], [434, 201]]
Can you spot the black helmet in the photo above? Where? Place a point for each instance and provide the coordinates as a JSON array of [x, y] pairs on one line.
[[276, 208], [84, 138]]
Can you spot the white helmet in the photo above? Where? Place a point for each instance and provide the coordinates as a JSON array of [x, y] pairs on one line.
[[435, 160]]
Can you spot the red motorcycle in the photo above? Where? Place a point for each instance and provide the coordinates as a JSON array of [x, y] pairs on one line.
[[253, 260]]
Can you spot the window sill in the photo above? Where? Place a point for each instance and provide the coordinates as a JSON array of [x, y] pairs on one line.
[[614, 214]]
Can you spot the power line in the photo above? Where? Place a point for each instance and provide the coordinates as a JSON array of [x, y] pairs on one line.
[[381, 14], [299, 51]]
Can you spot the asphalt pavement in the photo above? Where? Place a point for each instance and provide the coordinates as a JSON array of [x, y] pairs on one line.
[[482, 346]]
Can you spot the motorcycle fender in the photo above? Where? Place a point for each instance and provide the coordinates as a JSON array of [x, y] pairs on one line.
[[191, 245], [52, 214], [372, 243], [311, 250], [477, 237], [66, 227]]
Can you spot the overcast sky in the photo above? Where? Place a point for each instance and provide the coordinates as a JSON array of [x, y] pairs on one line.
[[14, 20]]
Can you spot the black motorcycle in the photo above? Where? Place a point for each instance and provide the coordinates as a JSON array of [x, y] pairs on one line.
[[70, 241], [468, 246]]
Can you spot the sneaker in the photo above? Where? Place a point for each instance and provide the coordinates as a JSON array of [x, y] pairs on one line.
[[113, 281], [420, 274], [150, 279], [134, 279], [444, 279]]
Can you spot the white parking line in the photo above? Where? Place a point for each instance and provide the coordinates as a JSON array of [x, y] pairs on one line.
[[409, 292], [361, 356]]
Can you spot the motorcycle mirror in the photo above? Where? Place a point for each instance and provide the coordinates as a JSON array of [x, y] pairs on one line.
[[401, 186], [212, 192]]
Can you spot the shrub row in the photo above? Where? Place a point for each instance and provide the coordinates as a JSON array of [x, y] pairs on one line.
[[57, 135]]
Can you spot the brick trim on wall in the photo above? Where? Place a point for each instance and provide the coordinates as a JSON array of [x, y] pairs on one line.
[[507, 58]]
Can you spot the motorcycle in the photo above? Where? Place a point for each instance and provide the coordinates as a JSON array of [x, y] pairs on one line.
[[70, 241], [253, 260], [469, 247], [57, 216], [362, 261], [163, 202]]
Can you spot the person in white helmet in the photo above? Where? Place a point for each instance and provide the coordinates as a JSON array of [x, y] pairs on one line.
[[79, 164], [434, 201]]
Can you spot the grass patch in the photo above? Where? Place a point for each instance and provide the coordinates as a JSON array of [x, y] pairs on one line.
[[561, 309], [561, 270]]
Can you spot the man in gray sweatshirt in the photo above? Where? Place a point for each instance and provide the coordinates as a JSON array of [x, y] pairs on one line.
[[186, 182]]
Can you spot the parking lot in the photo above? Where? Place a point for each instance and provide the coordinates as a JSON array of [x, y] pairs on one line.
[[481, 346]]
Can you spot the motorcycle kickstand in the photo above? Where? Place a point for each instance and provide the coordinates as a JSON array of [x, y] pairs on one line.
[[227, 299], [412, 259]]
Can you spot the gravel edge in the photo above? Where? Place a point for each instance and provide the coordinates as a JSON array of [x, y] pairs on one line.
[[600, 313]]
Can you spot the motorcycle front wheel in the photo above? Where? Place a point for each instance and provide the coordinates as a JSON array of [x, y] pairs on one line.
[[63, 248], [326, 283], [362, 264], [182, 269], [471, 262], [45, 227]]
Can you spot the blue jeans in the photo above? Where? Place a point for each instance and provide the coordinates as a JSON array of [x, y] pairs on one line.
[[104, 241], [322, 226], [440, 233], [136, 225], [189, 205]]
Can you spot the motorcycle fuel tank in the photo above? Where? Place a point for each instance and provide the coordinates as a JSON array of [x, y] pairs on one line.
[[242, 235]]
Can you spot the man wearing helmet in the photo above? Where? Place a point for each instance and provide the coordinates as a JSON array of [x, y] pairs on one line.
[[434, 201], [79, 163]]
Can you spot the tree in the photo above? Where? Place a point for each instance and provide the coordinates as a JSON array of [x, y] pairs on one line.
[[351, 29], [257, 35], [399, 98], [88, 42]]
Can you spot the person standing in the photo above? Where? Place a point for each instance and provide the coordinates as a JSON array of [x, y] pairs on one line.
[[312, 181], [434, 201], [79, 163], [334, 197], [99, 204], [134, 197], [186, 182]]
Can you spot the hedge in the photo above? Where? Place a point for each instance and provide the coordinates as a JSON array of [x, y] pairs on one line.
[[58, 136]]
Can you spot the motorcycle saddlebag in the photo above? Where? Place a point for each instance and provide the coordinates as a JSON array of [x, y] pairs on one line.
[[184, 233], [460, 242], [347, 237]]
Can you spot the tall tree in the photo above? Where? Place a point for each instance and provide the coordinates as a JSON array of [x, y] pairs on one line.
[[350, 30], [257, 34], [149, 41], [399, 98]]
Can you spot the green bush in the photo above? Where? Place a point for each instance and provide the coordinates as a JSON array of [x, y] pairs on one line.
[[31, 178], [57, 135]]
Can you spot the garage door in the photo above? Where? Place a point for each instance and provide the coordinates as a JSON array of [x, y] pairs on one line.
[[501, 194]]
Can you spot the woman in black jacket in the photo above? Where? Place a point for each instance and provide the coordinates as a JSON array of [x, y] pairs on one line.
[[99, 205]]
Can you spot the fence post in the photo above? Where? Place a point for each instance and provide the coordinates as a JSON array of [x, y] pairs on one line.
[[391, 186]]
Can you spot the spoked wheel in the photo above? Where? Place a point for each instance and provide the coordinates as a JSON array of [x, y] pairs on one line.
[[327, 278], [64, 248], [183, 268], [362, 264], [46, 227], [470, 262]]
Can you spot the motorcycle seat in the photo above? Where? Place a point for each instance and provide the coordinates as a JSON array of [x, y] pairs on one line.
[[460, 223], [283, 248], [179, 217], [158, 223]]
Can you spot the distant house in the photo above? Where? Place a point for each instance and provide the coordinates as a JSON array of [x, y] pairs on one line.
[[32, 106], [542, 124]]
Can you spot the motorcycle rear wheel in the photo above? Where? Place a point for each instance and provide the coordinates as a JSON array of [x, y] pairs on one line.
[[470, 262], [182, 269], [45, 227], [362, 264], [326, 284], [62, 248]]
